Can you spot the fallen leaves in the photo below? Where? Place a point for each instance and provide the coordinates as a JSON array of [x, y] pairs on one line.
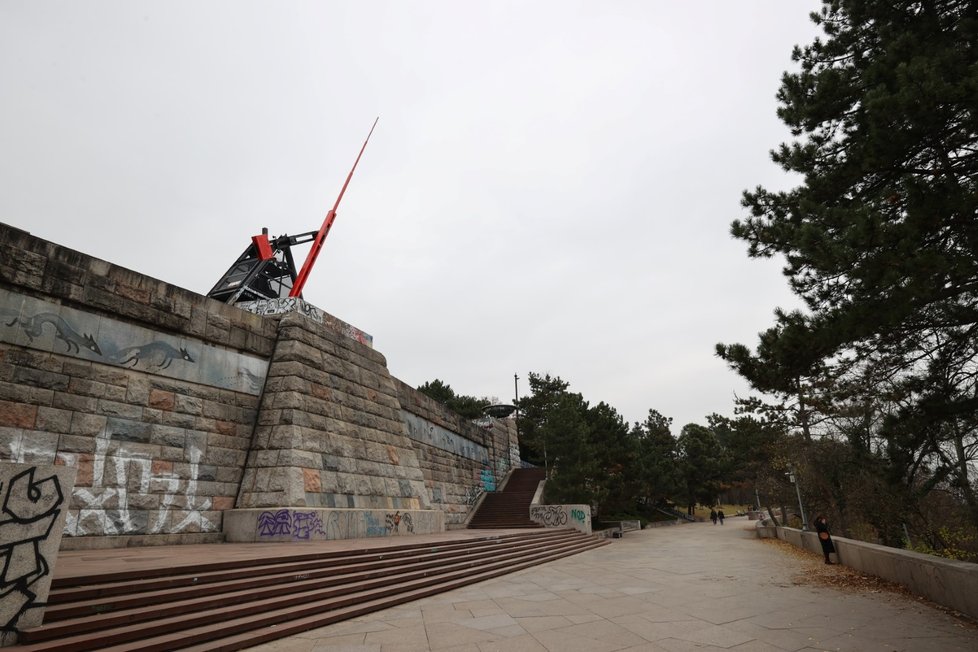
[[814, 571]]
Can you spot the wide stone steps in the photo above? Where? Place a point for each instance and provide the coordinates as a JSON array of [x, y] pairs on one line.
[[525, 480], [504, 510], [222, 606], [509, 508]]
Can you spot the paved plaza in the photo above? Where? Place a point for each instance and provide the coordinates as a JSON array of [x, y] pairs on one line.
[[689, 587]]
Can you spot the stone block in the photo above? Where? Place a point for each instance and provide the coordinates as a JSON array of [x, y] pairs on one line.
[[86, 387], [41, 378], [17, 415], [180, 420], [14, 393], [167, 436], [83, 424], [68, 401], [117, 409], [76, 444], [346, 483], [129, 430], [161, 400], [110, 376], [137, 390]]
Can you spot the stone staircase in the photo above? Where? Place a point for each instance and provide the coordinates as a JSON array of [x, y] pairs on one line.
[[231, 605], [509, 508]]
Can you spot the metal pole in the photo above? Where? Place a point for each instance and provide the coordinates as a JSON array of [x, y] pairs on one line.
[[804, 520], [300, 280], [516, 387]]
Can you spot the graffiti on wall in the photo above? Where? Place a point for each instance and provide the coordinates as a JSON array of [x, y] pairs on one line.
[[488, 480], [471, 496], [30, 509], [123, 476], [61, 330], [394, 521], [30, 322], [374, 527], [285, 305], [300, 526], [428, 433], [548, 515], [281, 306], [123, 480]]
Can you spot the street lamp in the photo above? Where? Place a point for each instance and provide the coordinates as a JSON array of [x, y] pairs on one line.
[[495, 412], [791, 477]]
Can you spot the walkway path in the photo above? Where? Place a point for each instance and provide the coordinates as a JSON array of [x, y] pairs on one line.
[[689, 587]]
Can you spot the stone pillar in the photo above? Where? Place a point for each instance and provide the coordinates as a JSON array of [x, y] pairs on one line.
[[34, 503], [329, 437]]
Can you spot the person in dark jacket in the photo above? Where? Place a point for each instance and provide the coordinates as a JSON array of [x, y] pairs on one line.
[[720, 516], [824, 538], [713, 515]]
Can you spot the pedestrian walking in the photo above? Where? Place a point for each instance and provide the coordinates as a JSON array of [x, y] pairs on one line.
[[720, 516], [824, 538], [713, 515]]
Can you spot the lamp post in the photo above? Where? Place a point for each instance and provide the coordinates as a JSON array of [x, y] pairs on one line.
[[516, 387], [804, 520], [491, 412]]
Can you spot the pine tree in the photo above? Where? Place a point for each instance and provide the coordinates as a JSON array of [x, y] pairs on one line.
[[881, 237]]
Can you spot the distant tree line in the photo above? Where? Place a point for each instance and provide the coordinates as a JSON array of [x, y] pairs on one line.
[[469, 407], [593, 456]]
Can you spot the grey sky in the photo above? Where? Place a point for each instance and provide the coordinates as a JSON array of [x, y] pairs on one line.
[[549, 188]]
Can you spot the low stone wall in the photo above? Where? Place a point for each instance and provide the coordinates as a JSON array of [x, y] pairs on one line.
[[678, 521], [292, 525], [577, 517], [947, 582], [35, 503]]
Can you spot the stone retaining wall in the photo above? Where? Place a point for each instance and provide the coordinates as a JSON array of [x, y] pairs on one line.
[[329, 431], [148, 390], [176, 409], [459, 460]]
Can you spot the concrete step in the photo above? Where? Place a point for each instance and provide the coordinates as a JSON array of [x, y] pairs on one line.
[[222, 612], [136, 601], [104, 597], [504, 509]]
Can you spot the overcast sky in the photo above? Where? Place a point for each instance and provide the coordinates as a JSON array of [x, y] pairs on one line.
[[549, 188]]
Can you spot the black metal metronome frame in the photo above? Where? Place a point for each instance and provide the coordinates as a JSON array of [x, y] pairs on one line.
[[266, 270]]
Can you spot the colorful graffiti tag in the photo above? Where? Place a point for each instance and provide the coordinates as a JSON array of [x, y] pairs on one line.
[[488, 480], [301, 526]]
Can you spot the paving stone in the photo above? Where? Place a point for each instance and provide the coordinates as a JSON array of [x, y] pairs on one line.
[[686, 588]]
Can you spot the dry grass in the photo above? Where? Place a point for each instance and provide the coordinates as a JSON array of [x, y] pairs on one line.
[[813, 571]]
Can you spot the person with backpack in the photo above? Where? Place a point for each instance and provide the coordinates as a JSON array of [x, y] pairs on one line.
[[824, 538]]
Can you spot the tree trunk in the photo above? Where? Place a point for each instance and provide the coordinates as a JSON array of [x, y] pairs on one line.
[[963, 480]]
